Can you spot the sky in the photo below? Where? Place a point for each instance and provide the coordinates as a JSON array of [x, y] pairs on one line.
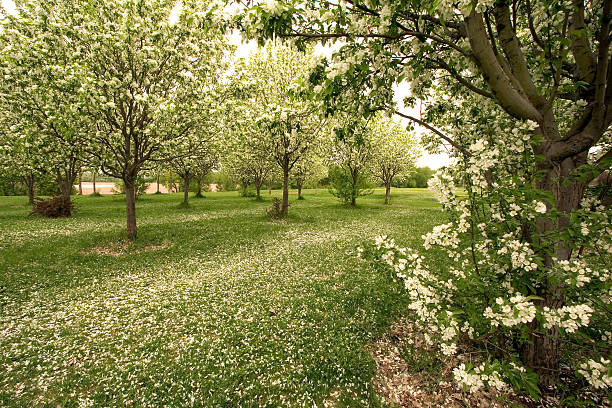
[[8, 5], [244, 48]]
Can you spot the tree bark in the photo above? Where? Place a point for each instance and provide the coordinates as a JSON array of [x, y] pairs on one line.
[[80, 183], [29, 182], [65, 183], [354, 176], [130, 203], [94, 180], [285, 205], [199, 193], [387, 192], [299, 186], [157, 184], [542, 352], [186, 193], [258, 189]]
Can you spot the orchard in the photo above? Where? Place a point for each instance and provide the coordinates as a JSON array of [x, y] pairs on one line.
[[307, 269]]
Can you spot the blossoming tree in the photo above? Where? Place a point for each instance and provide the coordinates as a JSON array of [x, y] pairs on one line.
[[288, 123], [350, 153], [40, 83], [144, 81], [538, 74], [395, 151]]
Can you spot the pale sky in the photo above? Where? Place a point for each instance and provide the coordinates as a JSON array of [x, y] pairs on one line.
[[9, 6]]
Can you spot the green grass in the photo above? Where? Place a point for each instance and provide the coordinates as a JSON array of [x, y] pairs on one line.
[[214, 306]]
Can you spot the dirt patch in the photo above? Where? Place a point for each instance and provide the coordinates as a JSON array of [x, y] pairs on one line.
[[119, 248], [410, 375]]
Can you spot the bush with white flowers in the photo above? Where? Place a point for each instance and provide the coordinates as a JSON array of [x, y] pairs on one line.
[[490, 293]]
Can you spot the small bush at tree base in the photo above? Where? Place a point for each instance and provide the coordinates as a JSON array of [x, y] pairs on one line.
[[53, 208], [346, 187], [275, 212]]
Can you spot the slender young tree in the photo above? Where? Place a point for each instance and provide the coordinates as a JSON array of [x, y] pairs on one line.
[[394, 151], [350, 153], [288, 123], [196, 164]]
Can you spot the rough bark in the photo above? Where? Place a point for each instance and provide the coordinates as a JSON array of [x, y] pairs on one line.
[[542, 352], [65, 183], [130, 203]]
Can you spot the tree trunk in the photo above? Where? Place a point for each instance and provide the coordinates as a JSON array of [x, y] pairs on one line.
[[157, 184], [285, 206], [65, 185], [130, 203], [80, 183], [387, 192], [94, 180], [354, 176], [258, 189], [270, 188], [186, 193], [29, 182], [542, 352], [199, 193]]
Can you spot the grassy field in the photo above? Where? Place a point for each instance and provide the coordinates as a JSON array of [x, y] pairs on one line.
[[214, 306]]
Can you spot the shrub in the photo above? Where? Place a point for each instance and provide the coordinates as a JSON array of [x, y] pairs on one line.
[[348, 187], [53, 208], [275, 211], [502, 286]]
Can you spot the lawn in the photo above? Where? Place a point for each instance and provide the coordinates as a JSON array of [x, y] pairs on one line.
[[214, 306]]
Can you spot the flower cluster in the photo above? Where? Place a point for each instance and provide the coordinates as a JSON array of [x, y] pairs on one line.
[[518, 309], [477, 378], [598, 374], [569, 318]]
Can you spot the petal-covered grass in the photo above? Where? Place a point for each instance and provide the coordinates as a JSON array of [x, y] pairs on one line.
[[215, 305]]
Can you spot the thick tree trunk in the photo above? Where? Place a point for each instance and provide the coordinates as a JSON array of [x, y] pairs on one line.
[[542, 352], [130, 203], [387, 192], [65, 184], [285, 206], [186, 193], [29, 182]]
